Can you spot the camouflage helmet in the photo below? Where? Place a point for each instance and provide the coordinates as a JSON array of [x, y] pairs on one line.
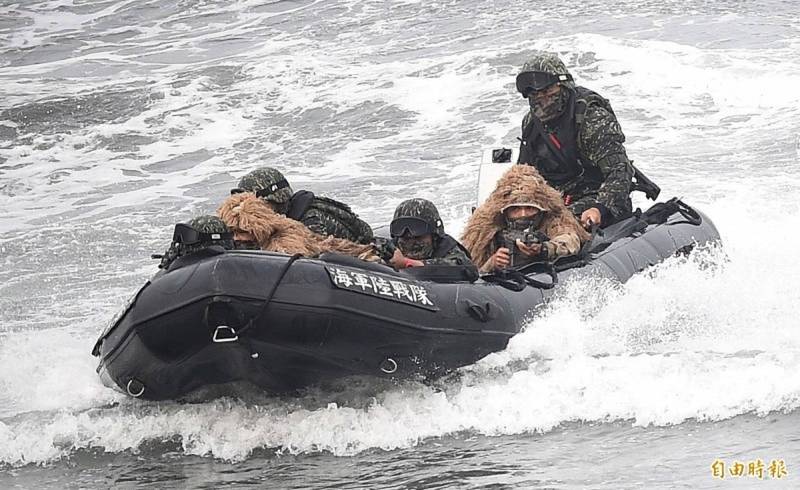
[[267, 183], [198, 234], [209, 224], [547, 63], [412, 210], [211, 231]]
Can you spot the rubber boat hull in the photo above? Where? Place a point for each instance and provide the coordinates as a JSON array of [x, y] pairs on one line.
[[285, 323]]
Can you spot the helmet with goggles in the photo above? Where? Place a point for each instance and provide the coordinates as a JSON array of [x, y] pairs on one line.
[[416, 217], [198, 234], [203, 230], [542, 71], [267, 183]]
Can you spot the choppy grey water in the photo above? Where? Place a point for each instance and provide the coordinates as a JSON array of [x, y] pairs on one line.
[[119, 118]]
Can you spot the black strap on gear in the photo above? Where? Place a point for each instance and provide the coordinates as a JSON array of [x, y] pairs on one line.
[[281, 274], [691, 215], [570, 163], [602, 238], [537, 126], [446, 244], [582, 104], [580, 113], [505, 278], [660, 212], [587, 245], [516, 281], [540, 268], [299, 204], [528, 82], [281, 184]]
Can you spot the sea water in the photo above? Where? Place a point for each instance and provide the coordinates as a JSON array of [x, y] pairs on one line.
[[119, 118]]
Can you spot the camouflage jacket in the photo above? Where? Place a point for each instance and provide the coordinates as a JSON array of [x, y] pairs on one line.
[[327, 216], [449, 252], [585, 158]]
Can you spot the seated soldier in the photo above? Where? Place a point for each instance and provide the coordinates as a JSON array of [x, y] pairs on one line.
[[256, 225], [523, 220], [200, 234], [419, 239], [321, 215]]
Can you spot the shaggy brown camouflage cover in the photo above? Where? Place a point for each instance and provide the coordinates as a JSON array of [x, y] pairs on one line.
[[277, 233], [522, 184]]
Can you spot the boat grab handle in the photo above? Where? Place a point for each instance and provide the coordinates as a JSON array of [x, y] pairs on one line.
[[478, 311], [517, 281]]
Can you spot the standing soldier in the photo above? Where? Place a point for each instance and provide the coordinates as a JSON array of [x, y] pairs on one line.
[[321, 215], [572, 137]]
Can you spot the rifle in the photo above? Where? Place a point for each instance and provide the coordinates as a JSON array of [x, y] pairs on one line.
[[642, 184], [528, 237]]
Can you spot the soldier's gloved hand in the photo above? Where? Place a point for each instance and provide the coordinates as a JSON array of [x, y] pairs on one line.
[[532, 250], [499, 260], [591, 217]]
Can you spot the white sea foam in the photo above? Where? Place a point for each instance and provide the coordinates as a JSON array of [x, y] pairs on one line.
[[650, 351]]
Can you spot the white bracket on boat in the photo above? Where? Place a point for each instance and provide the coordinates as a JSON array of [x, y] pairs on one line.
[[227, 338]]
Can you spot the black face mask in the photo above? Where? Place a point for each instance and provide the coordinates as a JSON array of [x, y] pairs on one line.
[[526, 223], [415, 248], [549, 108]]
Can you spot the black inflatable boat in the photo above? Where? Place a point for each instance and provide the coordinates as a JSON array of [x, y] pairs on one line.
[[284, 323]]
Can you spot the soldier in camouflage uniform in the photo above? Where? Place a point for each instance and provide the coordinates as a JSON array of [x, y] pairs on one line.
[[321, 215], [198, 235], [572, 137], [419, 239], [523, 221]]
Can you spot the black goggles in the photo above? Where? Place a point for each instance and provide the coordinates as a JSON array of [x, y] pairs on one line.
[[412, 226], [187, 235], [281, 184], [533, 81]]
